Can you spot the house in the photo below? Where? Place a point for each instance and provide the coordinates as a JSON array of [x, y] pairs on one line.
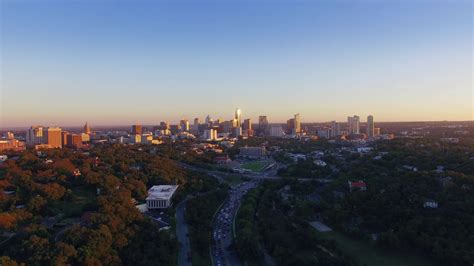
[[357, 185], [222, 160], [320, 163], [364, 149], [431, 204]]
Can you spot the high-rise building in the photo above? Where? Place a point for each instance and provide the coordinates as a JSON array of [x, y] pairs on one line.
[[8, 135], [353, 124], [184, 124], [209, 134], [52, 137], [164, 125], [276, 131], [34, 136], [87, 129], [238, 117], [137, 129], [370, 126], [74, 141], [247, 124], [236, 132], [64, 135], [290, 125], [335, 129], [377, 131], [297, 123], [262, 122]]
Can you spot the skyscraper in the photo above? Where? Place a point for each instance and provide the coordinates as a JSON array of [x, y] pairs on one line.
[[184, 124], [52, 137], [87, 129], [34, 136], [136, 129], [247, 124], [370, 126], [297, 123], [335, 129], [290, 125], [262, 122], [247, 127], [353, 124], [238, 117]]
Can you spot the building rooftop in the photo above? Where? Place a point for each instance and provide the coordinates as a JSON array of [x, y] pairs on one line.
[[161, 192]]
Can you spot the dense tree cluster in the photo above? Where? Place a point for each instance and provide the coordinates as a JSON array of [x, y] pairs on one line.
[[247, 241], [393, 208], [199, 215], [71, 207], [290, 240]]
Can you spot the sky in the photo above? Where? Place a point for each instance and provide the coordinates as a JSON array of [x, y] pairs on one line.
[[124, 62]]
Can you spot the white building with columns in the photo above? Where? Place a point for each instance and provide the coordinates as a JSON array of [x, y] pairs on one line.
[[159, 197]]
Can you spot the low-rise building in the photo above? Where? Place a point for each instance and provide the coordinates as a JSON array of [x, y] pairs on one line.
[[253, 152], [357, 185], [159, 197]]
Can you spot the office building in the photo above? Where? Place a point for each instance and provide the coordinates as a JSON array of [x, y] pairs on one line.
[[11, 144], [209, 134], [238, 117], [324, 133], [137, 129], [353, 124], [253, 152], [290, 126], [335, 129], [184, 125], [159, 197], [370, 126], [164, 125], [276, 131], [297, 129], [34, 136], [74, 141], [247, 127], [64, 135], [236, 132], [262, 122], [87, 129], [377, 131], [52, 137], [8, 135], [135, 139]]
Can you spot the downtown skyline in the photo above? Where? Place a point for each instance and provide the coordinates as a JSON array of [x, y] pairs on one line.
[[63, 64]]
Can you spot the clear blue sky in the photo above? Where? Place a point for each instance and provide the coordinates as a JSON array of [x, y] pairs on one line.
[[111, 62]]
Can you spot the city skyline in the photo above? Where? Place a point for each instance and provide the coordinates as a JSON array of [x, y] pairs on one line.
[[63, 63]]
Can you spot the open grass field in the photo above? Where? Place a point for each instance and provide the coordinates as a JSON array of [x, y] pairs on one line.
[[233, 180], [256, 166], [81, 196], [370, 255]]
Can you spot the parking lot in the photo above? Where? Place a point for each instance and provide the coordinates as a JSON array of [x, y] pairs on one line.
[[222, 254]]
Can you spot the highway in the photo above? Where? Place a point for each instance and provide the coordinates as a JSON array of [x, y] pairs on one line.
[[223, 226]]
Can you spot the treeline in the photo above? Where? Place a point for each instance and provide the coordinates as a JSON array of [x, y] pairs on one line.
[[392, 209], [247, 240], [291, 241], [199, 214], [70, 207]]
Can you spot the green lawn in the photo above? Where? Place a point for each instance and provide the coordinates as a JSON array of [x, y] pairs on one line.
[[255, 166], [367, 254], [81, 196], [233, 180]]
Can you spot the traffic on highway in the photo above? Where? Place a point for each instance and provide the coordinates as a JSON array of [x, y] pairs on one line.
[[222, 254]]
